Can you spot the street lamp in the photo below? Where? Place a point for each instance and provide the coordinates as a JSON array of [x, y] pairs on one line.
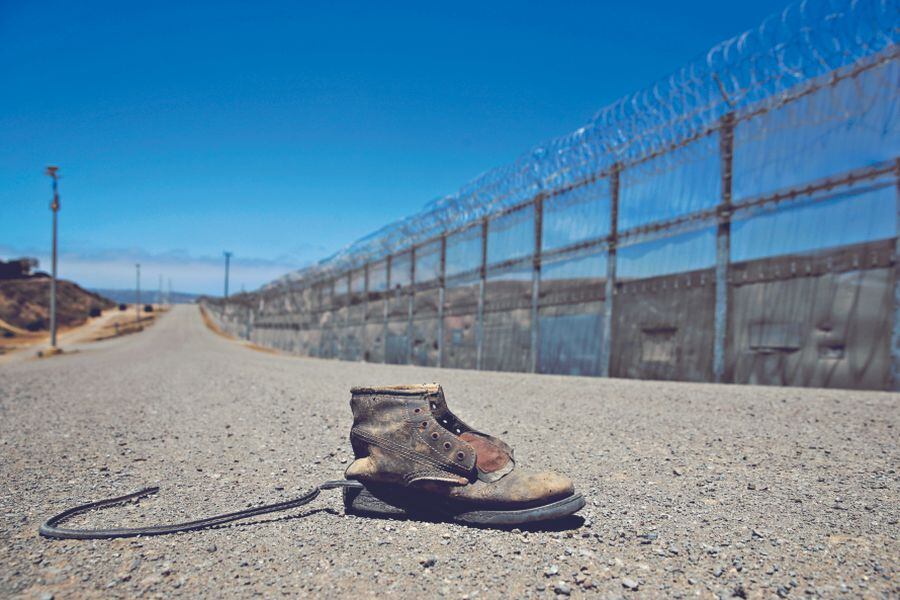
[[227, 265], [53, 173], [137, 293]]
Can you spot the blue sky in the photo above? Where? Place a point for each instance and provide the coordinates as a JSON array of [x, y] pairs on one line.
[[283, 131]]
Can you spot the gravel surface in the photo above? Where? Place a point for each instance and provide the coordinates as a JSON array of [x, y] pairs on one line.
[[692, 489]]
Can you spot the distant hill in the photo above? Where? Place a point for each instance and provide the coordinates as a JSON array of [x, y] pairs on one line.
[[25, 303], [147, 296]]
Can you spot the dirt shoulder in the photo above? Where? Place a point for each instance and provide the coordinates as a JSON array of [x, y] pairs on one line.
[[18, 343]]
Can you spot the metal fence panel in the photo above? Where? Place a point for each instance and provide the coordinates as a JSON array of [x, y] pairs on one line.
[[425, 342], [571, 314], [663, 327], [818, 319], [507, 318]]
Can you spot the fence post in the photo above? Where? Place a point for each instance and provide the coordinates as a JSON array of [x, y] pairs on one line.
[[335, 310], [612, 249], [441, 293], [410, 299], [363, 338], [723, 247], [479, 322], [895, 331], [384, 308], [536, 283], [250, 319]]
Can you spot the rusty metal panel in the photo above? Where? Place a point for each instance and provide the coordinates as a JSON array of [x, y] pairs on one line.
[[374, 342], [508, 288], [396, 345], [375, 291], [354, 314], [571, 313], [398, 304], [257, 336], [426, 302], [425, 342], [895, 330], [663, 308], [276, 338], [461, 296], [336, 318], [479, 318], [329, 343], [287, 340], [663, 327], [352, 341], [507, 339], [507, 317], [375, 307], [571, 338], [459, 341], [573, 280], [308, 342], [809, 320]]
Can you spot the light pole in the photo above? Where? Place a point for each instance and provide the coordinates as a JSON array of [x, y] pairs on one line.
[[227, 265], [137, 302], [53, 172]]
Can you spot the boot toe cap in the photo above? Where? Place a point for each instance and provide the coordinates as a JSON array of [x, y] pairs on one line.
[[550, 486], [522, 489]]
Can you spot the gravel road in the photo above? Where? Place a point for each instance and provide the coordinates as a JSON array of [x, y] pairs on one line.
[[692, 489]]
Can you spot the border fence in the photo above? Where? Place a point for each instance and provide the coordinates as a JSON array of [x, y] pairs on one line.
[[736, 222]]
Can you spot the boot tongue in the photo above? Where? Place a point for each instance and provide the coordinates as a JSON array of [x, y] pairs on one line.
[[492, 458], [437, 401]]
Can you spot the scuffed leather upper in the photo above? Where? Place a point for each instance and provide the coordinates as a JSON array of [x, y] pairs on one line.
[[407, 435]]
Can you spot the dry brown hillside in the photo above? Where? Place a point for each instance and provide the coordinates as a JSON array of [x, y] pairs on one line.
[[25, 303]]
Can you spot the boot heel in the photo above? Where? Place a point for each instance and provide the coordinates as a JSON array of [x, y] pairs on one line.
[[360, 501]]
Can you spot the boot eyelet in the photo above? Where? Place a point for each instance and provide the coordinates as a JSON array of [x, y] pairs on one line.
[[435, 435], [460, 456], [447, 445]]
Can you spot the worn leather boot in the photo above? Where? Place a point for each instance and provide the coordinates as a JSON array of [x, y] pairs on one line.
[[414, 457]]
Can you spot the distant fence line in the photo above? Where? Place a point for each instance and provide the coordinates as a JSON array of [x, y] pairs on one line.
[[760, 247]]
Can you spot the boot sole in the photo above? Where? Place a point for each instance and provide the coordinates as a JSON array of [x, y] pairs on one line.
[[388, 503]]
